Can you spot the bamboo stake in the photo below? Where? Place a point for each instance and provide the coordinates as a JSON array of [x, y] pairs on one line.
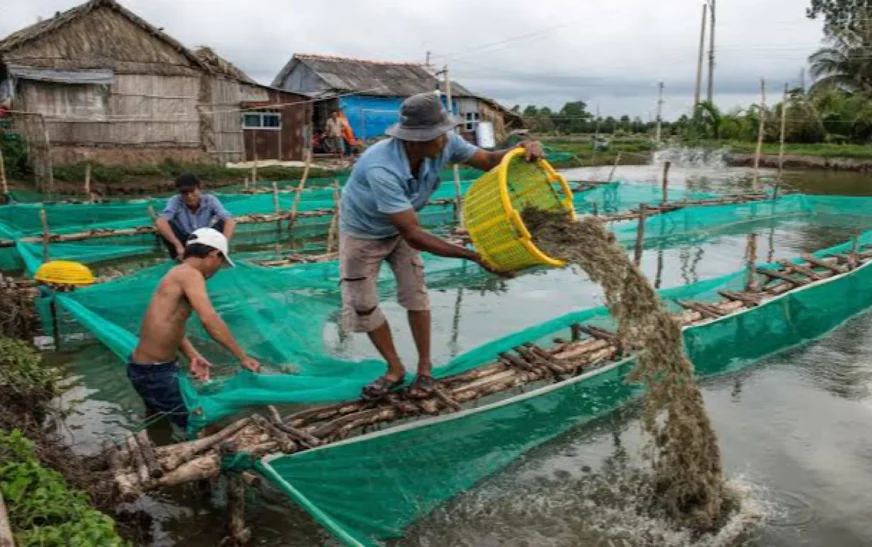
[[751, 260], [254, 171], [88, 182], [245, 182], [640, 234], [300, 188], [3, 175], [334, 223], [781, 145], [614, 167], [760, 133], [6, 537], [48, 161], [45, 234], [276, 207], [666, 167]]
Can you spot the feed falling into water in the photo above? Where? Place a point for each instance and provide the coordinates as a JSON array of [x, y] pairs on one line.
[[688, 482]]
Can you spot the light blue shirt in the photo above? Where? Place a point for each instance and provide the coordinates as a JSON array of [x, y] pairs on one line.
[[382, 184], [210, 207]]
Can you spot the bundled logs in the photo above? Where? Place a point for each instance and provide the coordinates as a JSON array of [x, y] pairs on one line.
[[138, 466]]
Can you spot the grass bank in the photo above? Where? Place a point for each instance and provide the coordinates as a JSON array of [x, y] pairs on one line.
[[819, 150], [52, 496], [634, 151], [110, 180]]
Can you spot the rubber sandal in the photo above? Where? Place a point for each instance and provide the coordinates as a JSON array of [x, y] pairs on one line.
[[379, 388], [421, 388]]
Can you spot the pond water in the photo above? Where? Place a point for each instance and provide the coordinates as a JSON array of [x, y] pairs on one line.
[[793, 429]]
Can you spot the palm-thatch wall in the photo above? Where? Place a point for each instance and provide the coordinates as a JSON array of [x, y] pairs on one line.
[[97, 82]]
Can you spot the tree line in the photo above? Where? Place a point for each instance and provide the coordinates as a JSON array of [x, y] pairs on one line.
[[574, 118]]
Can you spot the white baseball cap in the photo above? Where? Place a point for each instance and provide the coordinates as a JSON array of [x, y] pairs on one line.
[[211, 237]]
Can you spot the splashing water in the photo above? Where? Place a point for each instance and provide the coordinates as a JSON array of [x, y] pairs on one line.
[[698, 158], [609, 507]]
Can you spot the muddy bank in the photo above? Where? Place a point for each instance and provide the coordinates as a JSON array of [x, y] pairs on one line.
[[795, 161]]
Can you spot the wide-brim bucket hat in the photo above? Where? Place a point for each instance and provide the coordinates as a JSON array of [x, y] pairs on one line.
[[422, 118]]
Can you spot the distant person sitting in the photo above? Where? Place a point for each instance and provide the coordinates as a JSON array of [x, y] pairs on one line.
[[333, 131], [188, 211]]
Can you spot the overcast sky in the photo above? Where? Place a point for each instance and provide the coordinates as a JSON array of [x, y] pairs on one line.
[[608, 52]]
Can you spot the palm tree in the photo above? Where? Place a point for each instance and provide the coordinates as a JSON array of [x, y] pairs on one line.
[[846, 63]]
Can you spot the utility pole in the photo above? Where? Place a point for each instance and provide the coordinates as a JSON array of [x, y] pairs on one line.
[[427, 62], [711, 74], [458, 195], [659, 112], [696, 91]]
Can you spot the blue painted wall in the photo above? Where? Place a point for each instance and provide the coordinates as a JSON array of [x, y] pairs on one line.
[[371, 116]]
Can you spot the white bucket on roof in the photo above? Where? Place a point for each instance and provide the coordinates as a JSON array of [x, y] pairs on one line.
[[484, 135]]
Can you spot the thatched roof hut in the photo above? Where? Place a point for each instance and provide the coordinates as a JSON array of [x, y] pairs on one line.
[[220, 65], [98, 82], [99, 34]]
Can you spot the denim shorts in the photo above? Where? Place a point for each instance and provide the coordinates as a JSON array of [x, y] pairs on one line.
[[158, 385]]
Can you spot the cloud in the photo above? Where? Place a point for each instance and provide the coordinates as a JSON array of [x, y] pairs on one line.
[[608, 53]]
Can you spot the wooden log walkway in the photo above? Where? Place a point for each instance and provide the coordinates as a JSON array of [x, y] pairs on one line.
[[527, 365]]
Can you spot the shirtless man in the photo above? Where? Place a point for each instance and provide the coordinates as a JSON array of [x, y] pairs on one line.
[[153, 368]]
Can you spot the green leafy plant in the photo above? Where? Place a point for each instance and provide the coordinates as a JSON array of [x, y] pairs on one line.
[[43, 511]]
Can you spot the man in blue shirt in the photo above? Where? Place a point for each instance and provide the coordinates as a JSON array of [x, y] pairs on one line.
[[378, 222], [191, 210]]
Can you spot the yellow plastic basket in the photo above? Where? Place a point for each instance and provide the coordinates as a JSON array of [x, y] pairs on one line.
[[64, 272], [492, 207]]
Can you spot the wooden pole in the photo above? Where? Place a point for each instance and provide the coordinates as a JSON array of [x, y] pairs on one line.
[[300, 188], [751, 260], [450, 107], [88, 181], [334, 222], [239, 534], [45, 234], [666, 167], [245, 182], [781, 142], [614, 167], [711, 66], [640, 234], [760, 133], [696, 89], [6, 537], [3, 175]]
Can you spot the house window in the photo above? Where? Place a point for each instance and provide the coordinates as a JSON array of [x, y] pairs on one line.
[[470, 121], [270, 120]]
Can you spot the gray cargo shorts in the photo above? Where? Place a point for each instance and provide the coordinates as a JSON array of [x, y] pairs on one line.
[[359, 263]]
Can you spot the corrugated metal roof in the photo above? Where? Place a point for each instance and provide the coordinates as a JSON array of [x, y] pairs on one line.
[[380, 78]]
